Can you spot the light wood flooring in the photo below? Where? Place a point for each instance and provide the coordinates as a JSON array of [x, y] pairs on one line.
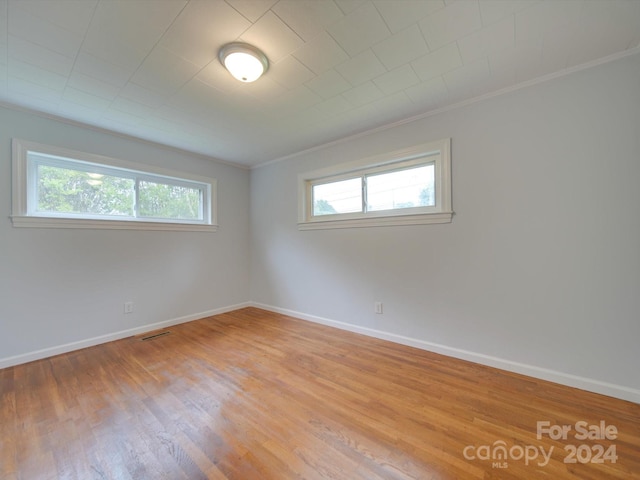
[[257, 395]]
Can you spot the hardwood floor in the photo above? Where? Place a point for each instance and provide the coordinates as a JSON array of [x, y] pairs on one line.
[[256, 395]]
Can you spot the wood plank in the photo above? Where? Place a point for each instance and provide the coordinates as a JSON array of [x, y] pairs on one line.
[[252, 394]]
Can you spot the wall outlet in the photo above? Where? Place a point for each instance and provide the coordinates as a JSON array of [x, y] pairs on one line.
[[128, 307], [377, 307]]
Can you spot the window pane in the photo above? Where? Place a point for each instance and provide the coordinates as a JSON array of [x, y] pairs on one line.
[[413, 187], [64, 190], [344, 196], [160, 200]]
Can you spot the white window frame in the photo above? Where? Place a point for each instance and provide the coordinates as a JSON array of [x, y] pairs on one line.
[[24, 201], [436, 152]]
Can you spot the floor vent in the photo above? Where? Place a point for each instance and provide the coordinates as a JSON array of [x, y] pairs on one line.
[[155, 335]]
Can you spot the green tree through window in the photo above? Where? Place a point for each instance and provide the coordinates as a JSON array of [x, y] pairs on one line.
[[158, 200], [62, 190]]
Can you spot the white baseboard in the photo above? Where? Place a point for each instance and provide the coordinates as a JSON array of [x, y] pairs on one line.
[[90, 342], [583, 383]]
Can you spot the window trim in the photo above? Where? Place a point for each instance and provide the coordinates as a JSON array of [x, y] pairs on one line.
[[21, 190], [441, 213]]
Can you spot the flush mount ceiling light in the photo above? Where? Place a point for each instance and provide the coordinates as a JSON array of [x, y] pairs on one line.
[[245, 62]]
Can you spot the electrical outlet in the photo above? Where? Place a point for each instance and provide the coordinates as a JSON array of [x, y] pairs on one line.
[[128, 307], [377, 307]]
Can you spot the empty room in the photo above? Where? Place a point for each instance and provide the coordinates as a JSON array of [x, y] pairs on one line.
[[319, 239]]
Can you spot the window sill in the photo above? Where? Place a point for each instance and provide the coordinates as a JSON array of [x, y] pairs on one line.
[[83, 223], [396, 220]]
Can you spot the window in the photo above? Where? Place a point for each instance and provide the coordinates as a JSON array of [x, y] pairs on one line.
[[53, 187], [406, 187]]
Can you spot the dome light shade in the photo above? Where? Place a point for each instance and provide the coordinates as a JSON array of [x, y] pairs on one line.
[[245, 62]]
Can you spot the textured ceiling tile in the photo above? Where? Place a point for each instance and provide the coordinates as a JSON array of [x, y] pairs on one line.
[[302, 121], [437, 63], [488, 40], [292, 102], [273, 37], [450, 23], [33, 93], [428, 94], [469, 80], [37, 75], [118, 54], [122, 121], [401, 48], [197, 96], [202, 28], [100, 69], [163, 122], [360, 29], [572, 43], [393, 105], [363, 94], [495, 10], [217, 76], [361, 68], [132, 107], [399, 14], [554, 60], [333, 106], [82, 113], [72, 15], [370, 115], [517, 63], [241, 105], [153, 41], [289, 72], [92, 85], [85, 99], [141, 95], [266, 87], [124, 32], [164, 71], [348, 6], [396, 80], [38, 30], [534, 22], [308, 17], [335, 126], [321, 53], [39, 56], [252, 9], [328, 84]]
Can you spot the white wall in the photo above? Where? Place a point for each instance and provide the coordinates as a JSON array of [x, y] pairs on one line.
[[62, 286], [539, 271]]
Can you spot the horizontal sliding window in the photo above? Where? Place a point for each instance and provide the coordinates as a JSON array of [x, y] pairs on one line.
[[406, 188], [61, 188], [75, 191], [342, 196], [170, 201], [411, 186]]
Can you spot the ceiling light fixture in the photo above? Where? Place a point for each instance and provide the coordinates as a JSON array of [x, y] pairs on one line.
[[245, 62]]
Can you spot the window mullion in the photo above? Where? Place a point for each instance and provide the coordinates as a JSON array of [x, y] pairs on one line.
[[31, 192], [364, 194], [136, 198]]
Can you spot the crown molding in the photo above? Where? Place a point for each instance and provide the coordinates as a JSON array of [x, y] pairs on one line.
[[464, 103]]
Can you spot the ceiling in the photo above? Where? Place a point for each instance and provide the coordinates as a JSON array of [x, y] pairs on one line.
[[149, 68]]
